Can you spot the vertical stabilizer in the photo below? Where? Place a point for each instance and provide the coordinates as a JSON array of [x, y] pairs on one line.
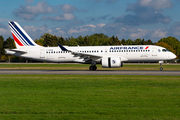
[[21, 38]]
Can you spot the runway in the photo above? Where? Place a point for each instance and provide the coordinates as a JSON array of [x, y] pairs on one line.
[[79, 72]]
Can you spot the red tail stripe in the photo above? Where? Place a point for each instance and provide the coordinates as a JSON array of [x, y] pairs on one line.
[[17, 41]]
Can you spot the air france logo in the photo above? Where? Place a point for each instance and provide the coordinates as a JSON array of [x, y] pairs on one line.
[[129, 48], [113, 61], [147, 47]]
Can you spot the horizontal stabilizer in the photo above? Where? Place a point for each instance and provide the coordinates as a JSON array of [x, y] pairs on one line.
[[16, 50]]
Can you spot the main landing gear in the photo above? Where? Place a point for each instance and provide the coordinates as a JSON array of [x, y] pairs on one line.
[[93, 66]]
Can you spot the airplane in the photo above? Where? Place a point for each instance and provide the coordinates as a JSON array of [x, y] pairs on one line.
[[107, 56]]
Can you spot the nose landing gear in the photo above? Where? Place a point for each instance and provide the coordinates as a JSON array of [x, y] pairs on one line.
[[160, 62]]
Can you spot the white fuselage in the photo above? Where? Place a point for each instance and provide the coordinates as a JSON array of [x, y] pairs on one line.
[[132, 53]]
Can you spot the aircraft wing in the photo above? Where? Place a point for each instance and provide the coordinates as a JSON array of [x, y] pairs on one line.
[[86, 56], [78, 53]]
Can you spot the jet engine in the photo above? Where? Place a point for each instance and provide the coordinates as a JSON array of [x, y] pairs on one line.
[[111, 62]]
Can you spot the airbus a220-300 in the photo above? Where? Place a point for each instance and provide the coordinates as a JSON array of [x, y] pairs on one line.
[[108, 56]]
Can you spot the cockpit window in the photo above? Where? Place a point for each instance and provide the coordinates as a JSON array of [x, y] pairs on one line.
[[165, 50]]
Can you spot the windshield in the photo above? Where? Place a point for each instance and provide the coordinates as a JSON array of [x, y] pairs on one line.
[[165, 50]]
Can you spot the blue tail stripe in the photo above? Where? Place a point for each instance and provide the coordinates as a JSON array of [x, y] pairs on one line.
[[22, 34], [18, 35]]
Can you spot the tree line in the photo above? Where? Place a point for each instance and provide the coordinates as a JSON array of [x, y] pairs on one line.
[[98, 39]]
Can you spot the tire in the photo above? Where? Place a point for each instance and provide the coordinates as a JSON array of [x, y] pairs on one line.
[[94, 68], [161, 69], [90, 67]]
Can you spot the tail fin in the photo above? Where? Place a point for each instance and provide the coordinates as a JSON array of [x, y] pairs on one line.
[[21, 38]]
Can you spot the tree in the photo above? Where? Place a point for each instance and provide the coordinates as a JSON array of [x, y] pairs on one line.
[[129, 42], [9, 43], [39, 42], [138, 41], [2, 51], [123, 42], [148, 42], [72, 42], [86, 41], [62, 41], [115, 41], [48, 39]]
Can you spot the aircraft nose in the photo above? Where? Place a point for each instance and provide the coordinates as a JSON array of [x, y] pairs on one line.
[[173, 56]]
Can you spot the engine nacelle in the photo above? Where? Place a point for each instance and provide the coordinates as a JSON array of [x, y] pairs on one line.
[[111, 62]]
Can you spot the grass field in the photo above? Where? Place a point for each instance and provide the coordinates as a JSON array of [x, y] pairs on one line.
[[89, 97], [175, 67]]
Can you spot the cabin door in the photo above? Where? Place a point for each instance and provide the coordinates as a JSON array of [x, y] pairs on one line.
[[154, 52], [42, 53]]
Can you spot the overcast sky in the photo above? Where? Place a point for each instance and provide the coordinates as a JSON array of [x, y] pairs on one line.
[[128, 19]]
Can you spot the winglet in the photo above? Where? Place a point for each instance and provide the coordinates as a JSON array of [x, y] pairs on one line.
[[62, 48]]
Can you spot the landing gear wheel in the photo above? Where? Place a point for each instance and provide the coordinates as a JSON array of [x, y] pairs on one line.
[[161, 69], [93, 68]]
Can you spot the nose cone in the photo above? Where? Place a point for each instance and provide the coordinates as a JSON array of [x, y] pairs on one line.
[[172, 56]]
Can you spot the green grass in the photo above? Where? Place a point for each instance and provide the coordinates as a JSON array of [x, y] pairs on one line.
[[175, 67], [89, 97]]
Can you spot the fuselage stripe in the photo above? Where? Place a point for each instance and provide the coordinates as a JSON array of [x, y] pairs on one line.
[[24, 36], [17, 41], [20, 37]]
